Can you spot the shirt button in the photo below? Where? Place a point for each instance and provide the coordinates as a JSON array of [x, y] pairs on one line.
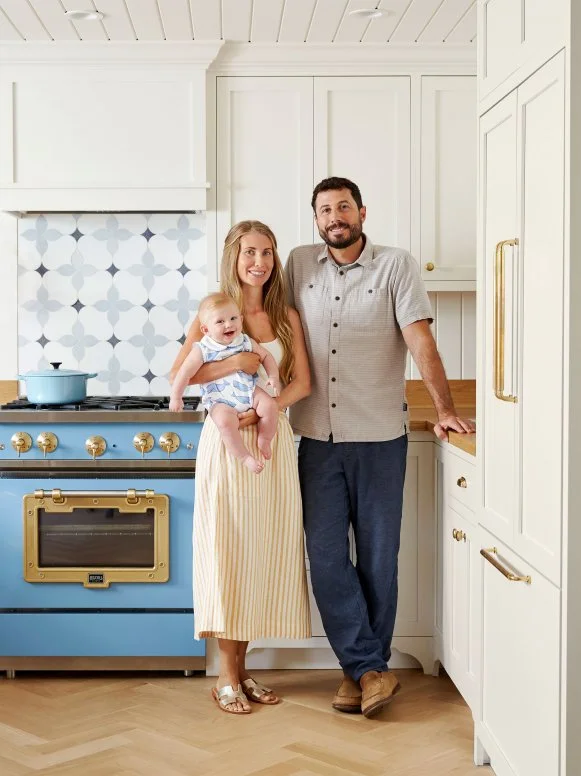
[[335, 325], [333, 405], [370, 290], [337, 298], [310, 285], [333, 352], [341, 272], [333, 379]]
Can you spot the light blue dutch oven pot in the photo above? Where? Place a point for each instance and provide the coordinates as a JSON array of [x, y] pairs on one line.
[[56, 386]]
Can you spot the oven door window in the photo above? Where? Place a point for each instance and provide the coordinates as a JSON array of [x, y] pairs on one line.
[[96, 538]]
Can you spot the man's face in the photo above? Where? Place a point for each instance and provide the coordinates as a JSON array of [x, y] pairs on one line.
[[338, 219]]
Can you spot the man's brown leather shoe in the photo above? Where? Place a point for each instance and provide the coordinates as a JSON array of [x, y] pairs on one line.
[[378, 689], [348, 696]]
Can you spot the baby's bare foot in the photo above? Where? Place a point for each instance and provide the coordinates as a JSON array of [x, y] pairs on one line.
[[264, 447], [253, 464]]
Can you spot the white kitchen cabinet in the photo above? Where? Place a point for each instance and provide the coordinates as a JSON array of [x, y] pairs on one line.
[[116, 136], [523, 187], [520, 664], [265, 156], [515, 37], [456, 575], [448, 179], [362, 132]]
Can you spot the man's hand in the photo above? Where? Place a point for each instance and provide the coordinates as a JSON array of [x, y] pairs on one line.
[[248, 418], [453, 423], [245, 362]]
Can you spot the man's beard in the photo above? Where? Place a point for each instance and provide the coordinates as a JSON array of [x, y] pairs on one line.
[[339, 243]]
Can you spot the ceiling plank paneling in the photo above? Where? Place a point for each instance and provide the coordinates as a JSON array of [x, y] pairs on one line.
[[117, 22], [146, 19], [296, 20], [444, 20], [266, 18], [7, 30], [207, 19], [415, 20], [236, 16], [86, 30], [352, 28], [24, 19], [176, 20], [326, 20], [53, 17], [380, 30], [465, 30]]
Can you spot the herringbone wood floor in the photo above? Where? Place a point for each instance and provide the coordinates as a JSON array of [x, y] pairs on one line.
[[167, 725]]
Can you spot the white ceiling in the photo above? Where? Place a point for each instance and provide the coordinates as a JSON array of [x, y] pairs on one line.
[[256, 21]]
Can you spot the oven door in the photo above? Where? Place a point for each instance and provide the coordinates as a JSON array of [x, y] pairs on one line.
[[96, 543]]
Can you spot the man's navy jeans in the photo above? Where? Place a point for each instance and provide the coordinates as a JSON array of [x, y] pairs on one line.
[[358, 483]]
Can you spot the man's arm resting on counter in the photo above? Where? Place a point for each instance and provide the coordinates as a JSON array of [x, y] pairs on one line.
[[418, 337]]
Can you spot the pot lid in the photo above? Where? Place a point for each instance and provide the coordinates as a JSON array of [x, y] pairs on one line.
[[56, 371]]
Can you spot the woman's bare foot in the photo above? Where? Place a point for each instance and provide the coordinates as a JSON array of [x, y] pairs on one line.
[[253, 464], [238, 706], [264, 447]]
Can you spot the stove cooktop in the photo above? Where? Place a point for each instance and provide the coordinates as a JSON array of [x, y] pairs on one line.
[[114, 403]]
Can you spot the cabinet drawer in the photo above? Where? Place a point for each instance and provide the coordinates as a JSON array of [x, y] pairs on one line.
[[460, 480]]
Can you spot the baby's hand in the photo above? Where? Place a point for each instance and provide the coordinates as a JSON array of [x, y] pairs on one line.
[[176, 404], [274, 383]]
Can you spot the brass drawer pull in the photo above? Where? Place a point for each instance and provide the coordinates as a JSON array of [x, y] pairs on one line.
[[489, 556], [462, 482]]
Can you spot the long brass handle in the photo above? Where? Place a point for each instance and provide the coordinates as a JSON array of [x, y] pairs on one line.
[[489, 556], [499, 322], [59, 495]]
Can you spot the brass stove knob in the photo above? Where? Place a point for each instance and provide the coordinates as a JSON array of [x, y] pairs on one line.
[[170, 442], [95, 446], [21, 442], [143, 442], [47, 442]]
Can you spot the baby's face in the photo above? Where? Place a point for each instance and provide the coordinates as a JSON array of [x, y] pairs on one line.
[[224, 324]]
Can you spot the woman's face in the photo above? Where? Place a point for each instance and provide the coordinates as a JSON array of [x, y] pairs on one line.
[[255, 259]]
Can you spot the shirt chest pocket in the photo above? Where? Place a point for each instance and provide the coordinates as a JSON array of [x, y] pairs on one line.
[[367, 309], [314, 303]]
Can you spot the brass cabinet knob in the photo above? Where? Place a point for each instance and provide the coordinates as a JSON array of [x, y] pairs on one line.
[[462, 482], [21, 442], [169, 442], [459, 535], [143, 442], [47, 442], [95, 446], [430, 266]]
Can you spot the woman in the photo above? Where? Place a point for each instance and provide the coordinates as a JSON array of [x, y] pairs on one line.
[[249, 570]]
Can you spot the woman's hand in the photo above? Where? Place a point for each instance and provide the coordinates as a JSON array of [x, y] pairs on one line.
[[248, 418], [245, 362]]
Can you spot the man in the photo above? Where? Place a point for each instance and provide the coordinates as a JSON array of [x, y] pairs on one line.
[[361, 306]]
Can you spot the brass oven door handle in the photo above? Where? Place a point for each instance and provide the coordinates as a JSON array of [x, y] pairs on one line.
[[59, 495], [490, 554], [499, 321]]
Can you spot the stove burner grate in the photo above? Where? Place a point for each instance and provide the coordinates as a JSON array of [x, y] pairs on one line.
[[120, 403]]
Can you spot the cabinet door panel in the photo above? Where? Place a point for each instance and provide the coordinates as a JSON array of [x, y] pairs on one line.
[[448, 178], [520, 665], [362, 132], [265, 156], [498, 194], [541, 156]]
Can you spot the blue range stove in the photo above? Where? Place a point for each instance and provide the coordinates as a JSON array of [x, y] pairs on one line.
[[96, 506]]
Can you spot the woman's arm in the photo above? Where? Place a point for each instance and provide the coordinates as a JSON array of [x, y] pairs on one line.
[[300, 385], [208, 373]]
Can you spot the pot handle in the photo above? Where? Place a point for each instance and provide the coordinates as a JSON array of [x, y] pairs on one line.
[[91, 374], [55, 364]]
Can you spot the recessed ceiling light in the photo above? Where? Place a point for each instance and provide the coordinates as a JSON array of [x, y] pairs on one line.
[[368, 13], [84, 16]]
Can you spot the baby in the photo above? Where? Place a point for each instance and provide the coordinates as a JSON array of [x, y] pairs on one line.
[[221, 324]]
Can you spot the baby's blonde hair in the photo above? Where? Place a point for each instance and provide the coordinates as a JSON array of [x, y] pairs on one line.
[[213, 302]]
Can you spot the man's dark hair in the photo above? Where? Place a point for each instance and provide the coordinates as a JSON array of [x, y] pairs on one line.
[[335, 184]]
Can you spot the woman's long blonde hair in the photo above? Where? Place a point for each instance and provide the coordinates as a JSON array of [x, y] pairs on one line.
[[274, 298]]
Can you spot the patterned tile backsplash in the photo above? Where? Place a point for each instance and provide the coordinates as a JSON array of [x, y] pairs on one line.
[[109, 293]]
